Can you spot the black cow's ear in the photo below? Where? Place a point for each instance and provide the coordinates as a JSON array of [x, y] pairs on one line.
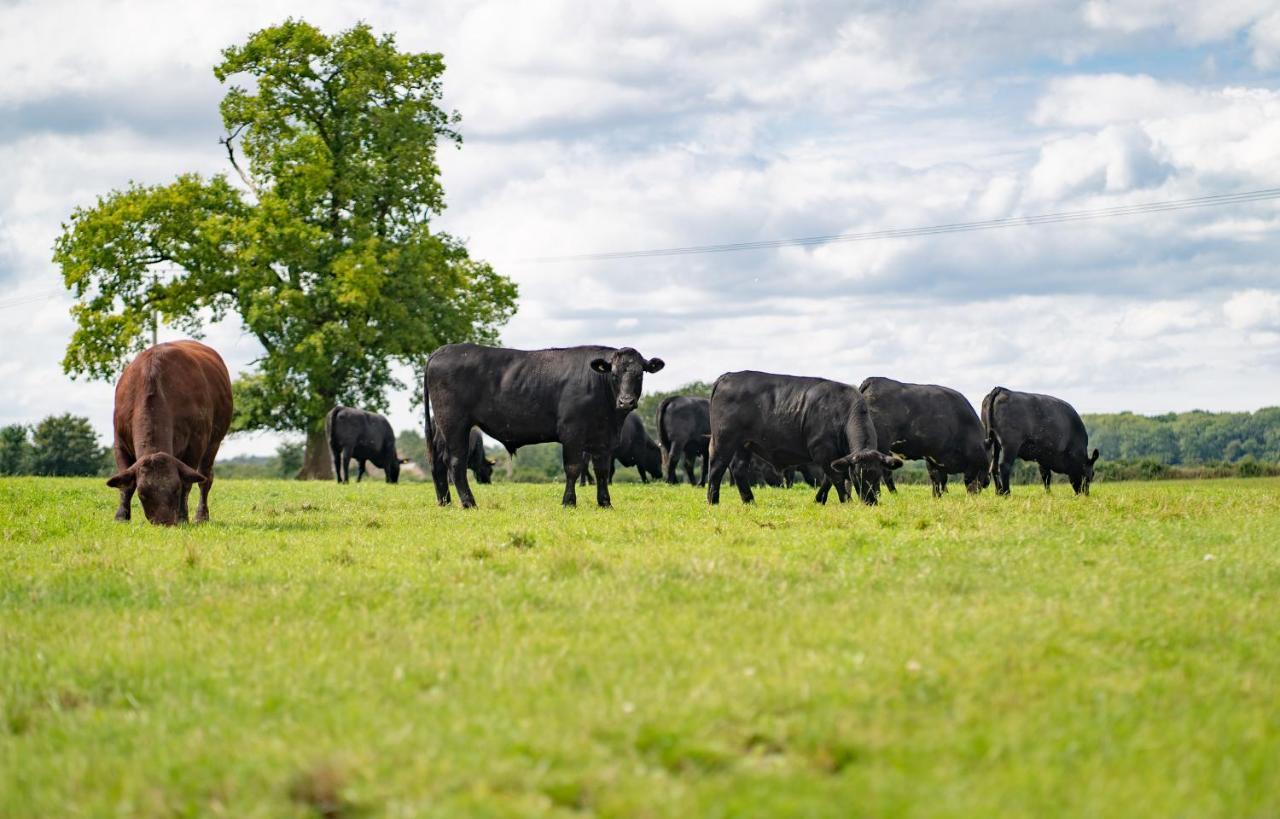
[[122, 479], [1094, 457], [840, 464], [601, 366], [891, 462], [654, 364]]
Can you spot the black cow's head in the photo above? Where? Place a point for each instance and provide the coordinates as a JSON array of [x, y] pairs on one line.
[[160, 480], [865, 470], [484, 470], [626, 369], [393, 467], [1088, 471]]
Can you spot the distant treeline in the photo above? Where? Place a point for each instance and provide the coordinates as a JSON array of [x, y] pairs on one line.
[[1134, 447]]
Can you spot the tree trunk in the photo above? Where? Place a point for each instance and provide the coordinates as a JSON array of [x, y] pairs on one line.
[[317, 461]]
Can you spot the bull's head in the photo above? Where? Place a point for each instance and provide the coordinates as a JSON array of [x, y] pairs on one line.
[[865, 470], [161, 480], [626, 369]]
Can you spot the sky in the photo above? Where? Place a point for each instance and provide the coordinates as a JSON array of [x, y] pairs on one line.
[[602, 126]]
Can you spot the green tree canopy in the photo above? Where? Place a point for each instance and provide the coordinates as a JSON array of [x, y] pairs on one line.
[[326, 253], [15, 450], [66, 445]]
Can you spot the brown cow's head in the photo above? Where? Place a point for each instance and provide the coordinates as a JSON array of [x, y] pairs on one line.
[[865, 470], [161, 481], [626, 369]]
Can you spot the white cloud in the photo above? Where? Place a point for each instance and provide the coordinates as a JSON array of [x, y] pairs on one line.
[[1253, 310]]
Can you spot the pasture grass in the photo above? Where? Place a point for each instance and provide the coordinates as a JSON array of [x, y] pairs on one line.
[[324, 650]]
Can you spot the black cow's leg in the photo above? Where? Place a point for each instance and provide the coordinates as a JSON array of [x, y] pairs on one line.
[[688, 469], [440, 470], [720, 459], [703, 481], [1077, 483], [1004, 471], [937, 479], [604, 474], [670, 460], [823, 491], [347, 454], [1046, 476], [833, 478], [586, 478], [361, 471], [458, 468], [337, 463], [573, 465], [890, 485], [741, 469]]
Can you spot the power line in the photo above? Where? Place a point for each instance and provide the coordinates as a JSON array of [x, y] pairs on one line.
[[30, 298], [1217, 200]]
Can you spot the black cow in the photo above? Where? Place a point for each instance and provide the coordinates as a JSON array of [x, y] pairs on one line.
[[684, 433], [758, 472], [481, 465], [578, 396], [927, 421], [365, 436], [790, 420], [1037, 428], [635, 448]]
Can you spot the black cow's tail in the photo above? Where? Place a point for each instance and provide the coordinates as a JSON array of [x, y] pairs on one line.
[[988, 407], [863, 386], [328, 425], [426, 411], [664, 440]]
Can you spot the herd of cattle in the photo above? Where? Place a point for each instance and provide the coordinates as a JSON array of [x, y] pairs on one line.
[[173, 407]]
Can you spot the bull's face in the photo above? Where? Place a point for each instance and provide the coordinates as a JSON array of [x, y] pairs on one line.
[[161, 480], [865, 469], [625, 369]]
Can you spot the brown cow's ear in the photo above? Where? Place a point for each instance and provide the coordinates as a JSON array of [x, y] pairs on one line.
[[122, 479], [189, 475], [654, 364], [601, 366]]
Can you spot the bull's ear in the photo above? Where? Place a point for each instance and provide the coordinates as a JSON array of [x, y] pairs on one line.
[[891, 462], [1094, 457], [189, 475], [122, 479], [654, 364], [600, 365]]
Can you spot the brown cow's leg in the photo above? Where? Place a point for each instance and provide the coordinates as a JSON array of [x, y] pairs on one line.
[[125, 510]]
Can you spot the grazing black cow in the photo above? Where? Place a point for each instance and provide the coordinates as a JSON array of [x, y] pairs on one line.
[[684, 433], [1037, 428], [759, 472], [365, 436], [790, 420], [481, 465], [578, 396], [635, 448], [927, 421]]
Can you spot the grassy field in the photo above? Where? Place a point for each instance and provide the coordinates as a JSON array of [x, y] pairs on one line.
[[357, 651]]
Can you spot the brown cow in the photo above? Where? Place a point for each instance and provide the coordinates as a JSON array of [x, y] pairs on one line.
[[173, 406]]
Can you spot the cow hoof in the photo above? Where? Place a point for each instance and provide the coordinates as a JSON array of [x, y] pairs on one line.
[[122, 517]]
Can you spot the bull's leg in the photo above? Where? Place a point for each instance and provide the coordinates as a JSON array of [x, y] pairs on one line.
[[440, 470], [1046, 476], [458, 468], [573, 466], [741, 468], [604, 474]]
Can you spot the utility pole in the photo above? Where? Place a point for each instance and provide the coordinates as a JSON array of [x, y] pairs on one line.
[[155, 314]]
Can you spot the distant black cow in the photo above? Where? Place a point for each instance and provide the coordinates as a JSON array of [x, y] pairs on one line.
[[1037, 428], [481, 465], [926, 421], [365, 436], [810, 474], [758, 472], [684, 433], [578, 396], [790, 420], [635, 448]]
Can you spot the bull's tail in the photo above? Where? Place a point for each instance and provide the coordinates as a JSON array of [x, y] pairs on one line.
[[664, 440]]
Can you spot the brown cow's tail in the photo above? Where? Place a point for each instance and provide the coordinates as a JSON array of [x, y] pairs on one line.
[[664, 440]]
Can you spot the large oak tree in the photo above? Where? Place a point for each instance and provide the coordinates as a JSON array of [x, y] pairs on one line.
[[324, 250]]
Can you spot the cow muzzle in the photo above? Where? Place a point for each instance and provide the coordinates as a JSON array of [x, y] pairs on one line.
[[626, 403]]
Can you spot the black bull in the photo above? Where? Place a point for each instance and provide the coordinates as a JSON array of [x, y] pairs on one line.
[[577, 396]]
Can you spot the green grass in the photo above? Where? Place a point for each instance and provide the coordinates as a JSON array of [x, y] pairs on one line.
[[357, 651]]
